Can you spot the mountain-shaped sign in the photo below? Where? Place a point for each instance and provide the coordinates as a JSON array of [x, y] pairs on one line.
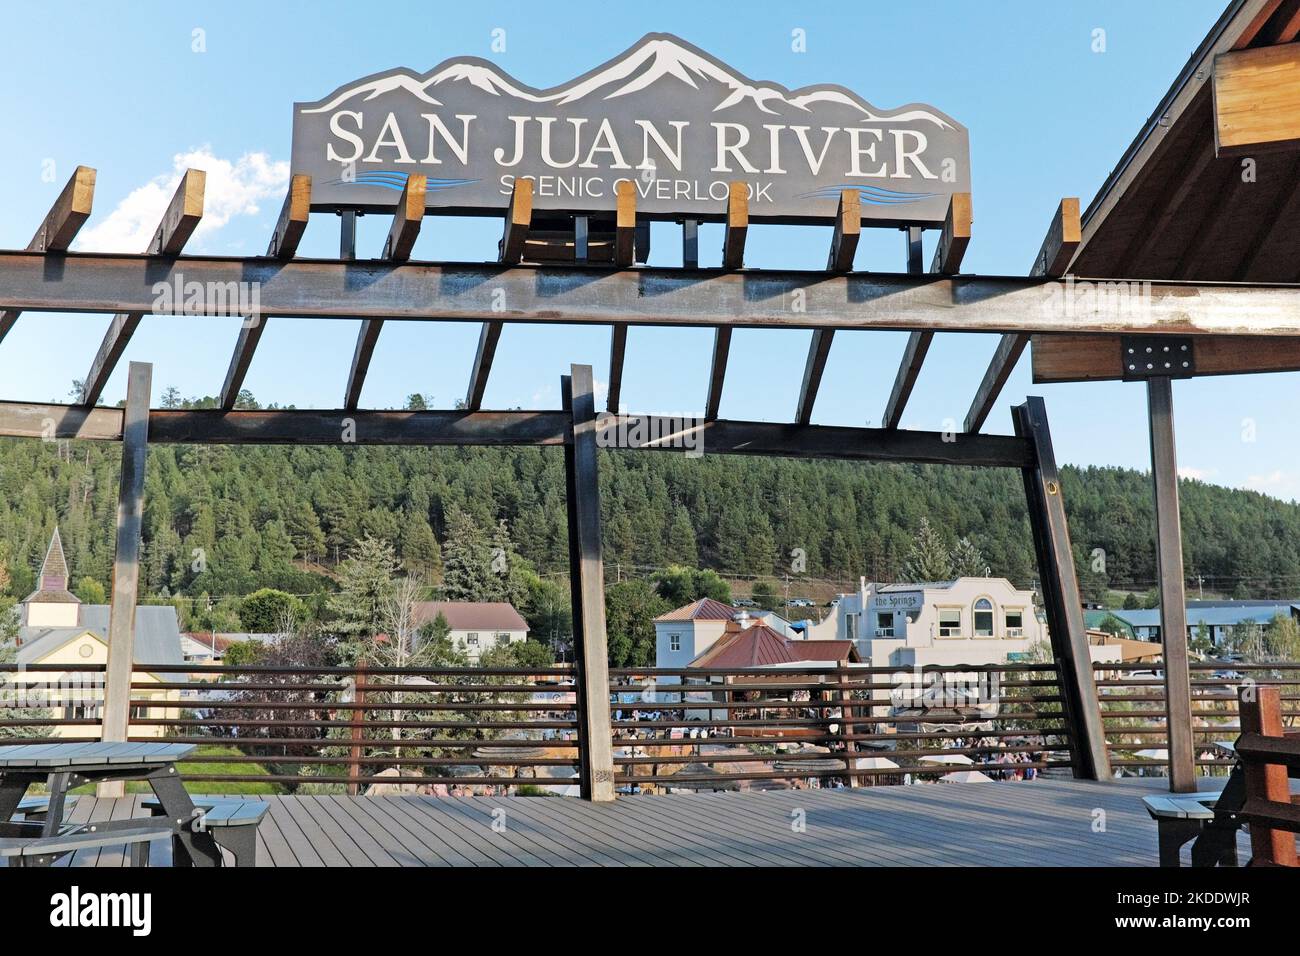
[[665, 115]]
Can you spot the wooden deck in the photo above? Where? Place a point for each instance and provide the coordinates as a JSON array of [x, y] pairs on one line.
[[1040, 823]]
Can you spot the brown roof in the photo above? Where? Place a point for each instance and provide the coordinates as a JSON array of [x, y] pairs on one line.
[[472, 615], [705, 609], [52, 583], [760, 646]]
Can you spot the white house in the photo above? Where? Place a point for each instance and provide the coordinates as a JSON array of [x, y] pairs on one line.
[[966, 621], [476, 626]]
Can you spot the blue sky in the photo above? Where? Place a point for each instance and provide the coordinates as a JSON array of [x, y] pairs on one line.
[[122, 89]]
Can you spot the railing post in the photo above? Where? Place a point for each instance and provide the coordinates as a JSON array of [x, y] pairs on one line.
[[847, 730], [357, 717], [587, 583], [1061, 596], [126, 565], [1169, 569], [1261, 713]]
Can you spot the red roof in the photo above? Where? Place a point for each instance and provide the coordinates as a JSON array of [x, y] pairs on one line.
[[760, 646], [705, 609], [472, 615]]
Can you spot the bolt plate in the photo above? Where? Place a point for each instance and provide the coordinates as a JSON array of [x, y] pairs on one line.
[[1156, 356]]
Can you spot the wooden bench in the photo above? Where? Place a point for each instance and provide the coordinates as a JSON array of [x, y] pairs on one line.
[[232, 822], [1180, 818], [1267, 757], [44, 851]]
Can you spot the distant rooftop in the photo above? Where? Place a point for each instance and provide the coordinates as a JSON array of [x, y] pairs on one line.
[[157, 636], [705, 609]]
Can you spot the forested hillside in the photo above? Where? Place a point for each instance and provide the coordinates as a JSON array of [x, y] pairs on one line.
[[225, 521]]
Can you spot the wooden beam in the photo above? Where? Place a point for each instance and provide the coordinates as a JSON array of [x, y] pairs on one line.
[[617, 351], [1054, 256], [955, 237], [1257, 100], [1259, 16], [518, 220], [458, 427], [474, 292], [848, 229], [625, 224], [179, 221], [818, 350], [1060, 589], [126, 561], [1173, 596], [488, 337], [914, 352], [1096, 358], [717, 371], [737, 225], [587, 577], [289, 229], [407, 219], [60, 226]]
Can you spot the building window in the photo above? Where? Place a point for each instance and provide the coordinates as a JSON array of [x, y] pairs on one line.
[[1015, 618], [885, 624], [674, 642], [983, 618], [851, 626], [503, 637], [950, 622], [472, 638]]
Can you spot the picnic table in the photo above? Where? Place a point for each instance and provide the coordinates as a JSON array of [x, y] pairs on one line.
[[64, 766]]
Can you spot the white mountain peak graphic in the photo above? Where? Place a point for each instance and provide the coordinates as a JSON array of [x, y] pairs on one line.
[[645, 64]]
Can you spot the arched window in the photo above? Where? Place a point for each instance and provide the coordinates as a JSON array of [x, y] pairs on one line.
[[983, 618]]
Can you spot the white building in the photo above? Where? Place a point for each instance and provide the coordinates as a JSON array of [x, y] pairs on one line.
[[684, 634], [966, 621], [476, 626]]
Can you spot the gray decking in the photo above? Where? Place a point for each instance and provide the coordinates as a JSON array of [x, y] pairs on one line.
[[1043, 823]]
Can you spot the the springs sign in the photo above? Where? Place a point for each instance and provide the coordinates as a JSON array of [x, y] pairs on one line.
[[664, 115]]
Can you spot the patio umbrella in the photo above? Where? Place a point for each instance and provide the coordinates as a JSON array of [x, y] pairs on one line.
[[1152, 754], [874, 763], [958, 759], [701, 770], [965, 776]]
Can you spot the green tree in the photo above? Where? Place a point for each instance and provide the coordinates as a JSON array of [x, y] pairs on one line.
[[467, 559], [366, 583], [929, 558], [765, 596], [679, 585], [268, 611], [967, 561], [90, 591], [630, 610]]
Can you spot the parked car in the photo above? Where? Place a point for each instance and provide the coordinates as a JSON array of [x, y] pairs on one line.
[[744, 602]]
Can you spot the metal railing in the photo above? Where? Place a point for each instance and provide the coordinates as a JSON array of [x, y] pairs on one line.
[[707, 729], [1135, 715]]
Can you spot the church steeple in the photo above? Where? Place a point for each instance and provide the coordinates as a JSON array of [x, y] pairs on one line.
[[52, 604], [54, 572]]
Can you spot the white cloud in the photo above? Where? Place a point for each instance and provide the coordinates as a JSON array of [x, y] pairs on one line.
[[233, 189], [1196, 474]]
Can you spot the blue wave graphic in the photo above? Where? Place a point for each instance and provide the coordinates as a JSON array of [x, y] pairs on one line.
[[388, 179], [874, 195]]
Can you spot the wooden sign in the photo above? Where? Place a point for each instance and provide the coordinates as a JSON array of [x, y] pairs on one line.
[[678, 124]]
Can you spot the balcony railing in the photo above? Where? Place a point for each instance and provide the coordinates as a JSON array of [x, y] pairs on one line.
[[477, 730]]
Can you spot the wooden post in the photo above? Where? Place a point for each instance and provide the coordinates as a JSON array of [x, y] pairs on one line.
[[1261, 713], [587, 580], [126, 564], [847, 730], [1061, 596], [1169, 568], [357, 716]]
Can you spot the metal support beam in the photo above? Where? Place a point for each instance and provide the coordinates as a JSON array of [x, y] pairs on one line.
[[581, 239], [918, 344], [289, 229], [717, 371], [690, 244], [1169, 567], [587, 574], [488, 337], [407, 219], [1060, 588], [126, 562], [60, 226], [818, 351], [617, 353], [595, 295], [1054, 256], [178, 224]]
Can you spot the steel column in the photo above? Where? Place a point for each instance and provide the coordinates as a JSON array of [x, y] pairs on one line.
[[1169, 568], [1060, 588], [126, 564], [587, 580]]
